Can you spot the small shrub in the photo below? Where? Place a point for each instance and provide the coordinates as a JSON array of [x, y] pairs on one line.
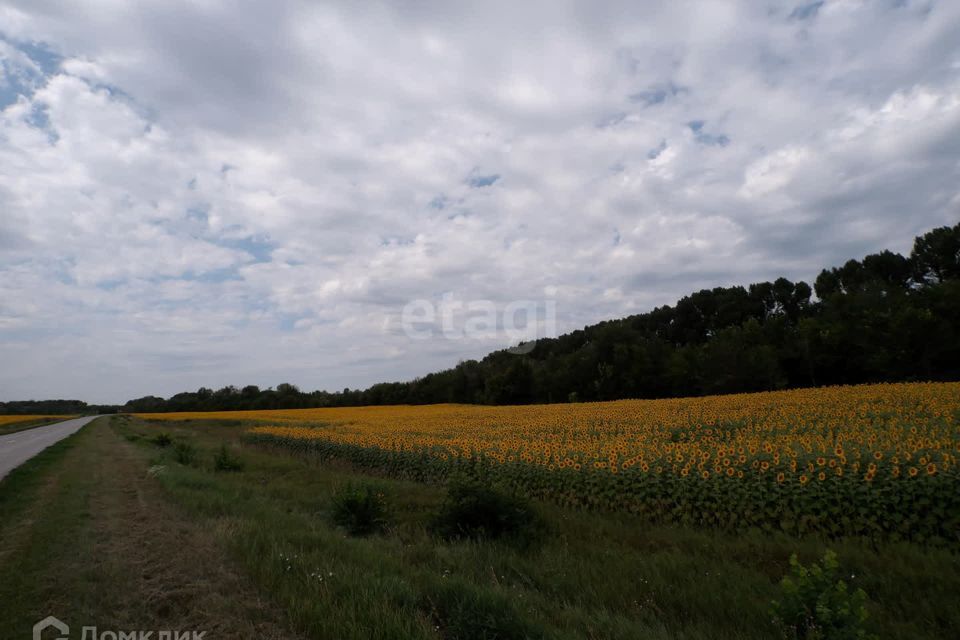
[[162, 440], [225, 461], [816, 604], [361, 510], [475, 510], [131, 437], [185, 453]]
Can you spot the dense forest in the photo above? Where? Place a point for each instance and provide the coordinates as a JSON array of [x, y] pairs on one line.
[[883, 318]]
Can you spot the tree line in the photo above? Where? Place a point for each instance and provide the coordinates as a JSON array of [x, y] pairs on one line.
[[52, 407], [886, 317]]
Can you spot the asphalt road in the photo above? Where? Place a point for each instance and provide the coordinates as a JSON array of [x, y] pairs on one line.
[[17, 448]]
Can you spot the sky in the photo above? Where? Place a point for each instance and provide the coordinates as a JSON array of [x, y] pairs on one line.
[[213, 193]]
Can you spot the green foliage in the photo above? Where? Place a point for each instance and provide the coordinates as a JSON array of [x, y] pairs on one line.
[[817, 605], [162, 440], [936, 255], [465, 612], [226, 461], [479, 511], [360, 509], [185, 453]]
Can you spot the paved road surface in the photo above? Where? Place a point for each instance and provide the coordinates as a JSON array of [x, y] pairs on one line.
[[17, 448]]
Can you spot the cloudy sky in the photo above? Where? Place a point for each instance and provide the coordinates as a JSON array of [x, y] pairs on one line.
[[215, 193]]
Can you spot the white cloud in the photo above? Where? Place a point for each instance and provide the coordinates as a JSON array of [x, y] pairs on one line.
[[773, 171], [196, 194]]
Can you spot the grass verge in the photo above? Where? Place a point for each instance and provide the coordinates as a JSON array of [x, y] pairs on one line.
[[86, 535]]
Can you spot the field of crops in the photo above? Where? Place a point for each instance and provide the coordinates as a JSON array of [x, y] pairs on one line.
[[6, 420], [875, 460]]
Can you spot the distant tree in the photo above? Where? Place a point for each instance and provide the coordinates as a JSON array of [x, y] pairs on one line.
[[287, 389], [513, 386], [936, 255], [891, 269]]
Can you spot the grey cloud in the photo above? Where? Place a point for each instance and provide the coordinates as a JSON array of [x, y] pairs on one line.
[[806, 11], [702, 137], [657, 94], [654, 153], [478, 182]]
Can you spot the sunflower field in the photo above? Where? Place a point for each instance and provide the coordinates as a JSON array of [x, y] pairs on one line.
[[13, 419], [871, 460]]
